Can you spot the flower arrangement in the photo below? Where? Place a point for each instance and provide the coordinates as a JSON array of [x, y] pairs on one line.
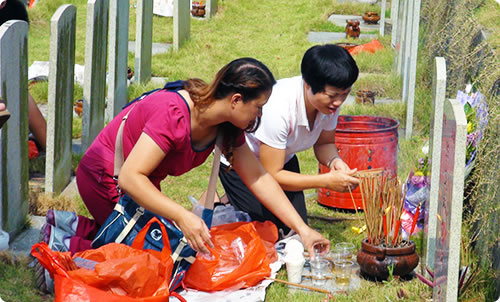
[[476, 112]]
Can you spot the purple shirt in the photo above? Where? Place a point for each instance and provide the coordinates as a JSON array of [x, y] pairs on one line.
[[165, 117]]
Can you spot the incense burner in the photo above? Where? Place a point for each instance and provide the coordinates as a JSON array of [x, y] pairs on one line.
[[374, 261]]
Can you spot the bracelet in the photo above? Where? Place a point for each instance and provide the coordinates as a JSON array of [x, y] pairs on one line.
[[331, 160]]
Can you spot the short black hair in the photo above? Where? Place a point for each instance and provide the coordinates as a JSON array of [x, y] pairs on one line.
[[13, 10], [328, 65]]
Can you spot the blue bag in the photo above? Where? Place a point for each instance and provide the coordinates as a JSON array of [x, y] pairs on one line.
[[128, 219]]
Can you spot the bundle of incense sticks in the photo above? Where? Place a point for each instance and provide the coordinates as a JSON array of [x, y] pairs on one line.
[[383, 199]]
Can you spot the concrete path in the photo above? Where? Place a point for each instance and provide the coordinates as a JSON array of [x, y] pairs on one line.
[[333, 37], [158, 48]]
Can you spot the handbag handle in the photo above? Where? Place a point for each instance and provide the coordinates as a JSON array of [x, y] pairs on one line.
[[140, 239]]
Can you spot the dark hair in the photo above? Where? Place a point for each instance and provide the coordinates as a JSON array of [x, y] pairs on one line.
[[13, 10], [328, 65], [247, 76]]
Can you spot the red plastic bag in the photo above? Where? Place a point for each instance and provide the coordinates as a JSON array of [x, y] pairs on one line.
[[372, 47], [240, 258], [121, 273]]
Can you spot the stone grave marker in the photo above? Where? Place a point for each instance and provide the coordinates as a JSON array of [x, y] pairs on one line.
[[401, 34], [394, 22], [94, 88], [143, 41], [118, 55], [438, 97], [382, 17], [450, 200], [412, 66], [182, 22], [14, 196], [60, 99], [211, 7]]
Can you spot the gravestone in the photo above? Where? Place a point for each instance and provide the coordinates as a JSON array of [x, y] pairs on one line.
[[382, 17], [118, 56], [94, 88], [182, 22], [394, 21], [400, 45], [14, 197], [211, 7], [450, 200], [60, 99], [144, 41], [412, 67], [438, 97]]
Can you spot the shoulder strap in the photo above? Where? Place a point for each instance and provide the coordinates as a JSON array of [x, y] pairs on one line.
[[118, 162], [212, 182]]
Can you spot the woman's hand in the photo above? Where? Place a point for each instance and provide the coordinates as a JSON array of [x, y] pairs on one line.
[[313, 240], [339, 165], [340, 181], [196, 232]]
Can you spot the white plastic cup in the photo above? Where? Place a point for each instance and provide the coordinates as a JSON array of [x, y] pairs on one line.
[[4, 240], [294, 270], [319, 269]]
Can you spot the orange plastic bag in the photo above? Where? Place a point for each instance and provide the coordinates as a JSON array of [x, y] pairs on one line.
[[372, 47], [121, 273], [240, 258]]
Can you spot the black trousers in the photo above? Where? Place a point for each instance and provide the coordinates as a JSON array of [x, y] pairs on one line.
[[244, 200]]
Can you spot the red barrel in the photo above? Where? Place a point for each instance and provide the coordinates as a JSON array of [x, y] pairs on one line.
[[364, 142]]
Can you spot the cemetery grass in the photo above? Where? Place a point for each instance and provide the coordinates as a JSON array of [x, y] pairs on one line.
[[278, 31]]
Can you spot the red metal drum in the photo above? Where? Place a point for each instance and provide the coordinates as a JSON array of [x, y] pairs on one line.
[[364, 142]]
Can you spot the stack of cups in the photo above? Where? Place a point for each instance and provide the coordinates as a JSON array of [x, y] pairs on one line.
[[342, 259], [294, 260]]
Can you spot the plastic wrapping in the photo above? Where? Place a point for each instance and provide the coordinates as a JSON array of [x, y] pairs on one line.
[[222, 214], [240, 258], [114, 272]]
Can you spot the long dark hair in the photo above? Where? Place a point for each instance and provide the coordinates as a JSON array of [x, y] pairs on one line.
[[246, 76]]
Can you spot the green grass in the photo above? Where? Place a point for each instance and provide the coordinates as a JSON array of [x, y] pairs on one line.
[[17, 282], [274, 32]]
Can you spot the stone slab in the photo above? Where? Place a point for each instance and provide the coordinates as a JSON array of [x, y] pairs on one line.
[[14, 170], [158, 48], [144, 39], [332, 37], [94, 88], [118, 57], [451, 196], [60, 99], [182, 22], [21, 244], [340, 20], [438, 97]]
